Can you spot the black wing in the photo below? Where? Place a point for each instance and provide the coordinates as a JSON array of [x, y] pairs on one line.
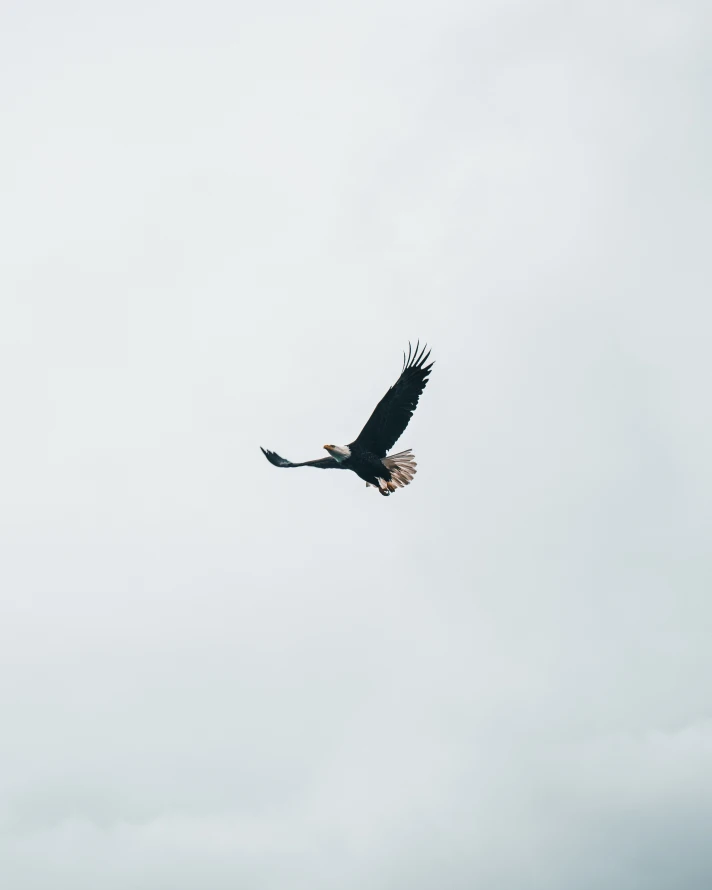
[[392, 414], [324, 463]]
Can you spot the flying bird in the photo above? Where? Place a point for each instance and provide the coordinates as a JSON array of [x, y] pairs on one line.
[[367, 455]]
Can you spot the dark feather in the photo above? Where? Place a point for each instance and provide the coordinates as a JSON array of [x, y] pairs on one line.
[[392, 414], [324, 463]]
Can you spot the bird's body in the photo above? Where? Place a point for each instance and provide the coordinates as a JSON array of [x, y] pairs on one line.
[[367, 455], [367, 465]]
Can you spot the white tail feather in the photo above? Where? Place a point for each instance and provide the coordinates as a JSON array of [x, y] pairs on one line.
[[402, 467]]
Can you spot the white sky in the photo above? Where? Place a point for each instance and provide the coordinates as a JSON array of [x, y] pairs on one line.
[[221, 224]]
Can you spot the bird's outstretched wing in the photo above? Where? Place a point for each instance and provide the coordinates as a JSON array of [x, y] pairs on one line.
[[324, 463], [392, 414]]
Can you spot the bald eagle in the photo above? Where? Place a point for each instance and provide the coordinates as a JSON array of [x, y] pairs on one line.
[[366, 455]]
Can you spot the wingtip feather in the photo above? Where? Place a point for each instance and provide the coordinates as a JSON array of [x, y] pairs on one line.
[[416, 357]]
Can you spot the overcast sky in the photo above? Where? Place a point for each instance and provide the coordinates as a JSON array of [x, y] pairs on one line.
[[221, 223]]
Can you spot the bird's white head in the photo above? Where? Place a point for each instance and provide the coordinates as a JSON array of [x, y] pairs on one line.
[[339, 452]]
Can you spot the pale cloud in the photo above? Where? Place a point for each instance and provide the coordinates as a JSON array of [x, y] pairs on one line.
[[221, 226]]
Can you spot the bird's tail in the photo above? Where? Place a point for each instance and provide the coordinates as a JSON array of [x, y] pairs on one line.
[[402, 467]]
